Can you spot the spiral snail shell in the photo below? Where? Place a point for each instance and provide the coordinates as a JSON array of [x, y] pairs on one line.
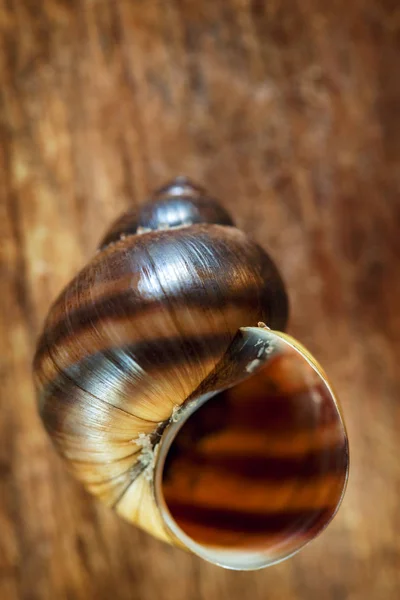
[[163, 379]]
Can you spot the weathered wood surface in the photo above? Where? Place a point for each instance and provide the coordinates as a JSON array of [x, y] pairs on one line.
[[287, 111]]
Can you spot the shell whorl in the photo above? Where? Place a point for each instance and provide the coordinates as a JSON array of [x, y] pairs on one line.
[[146, 329], [180, 203]]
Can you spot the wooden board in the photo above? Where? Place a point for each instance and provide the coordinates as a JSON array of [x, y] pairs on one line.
[[288, 112]]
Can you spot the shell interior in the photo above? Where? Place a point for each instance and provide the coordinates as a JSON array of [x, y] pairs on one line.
[[255, 465]]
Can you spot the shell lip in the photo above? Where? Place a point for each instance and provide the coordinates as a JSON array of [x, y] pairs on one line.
[[237, 559]]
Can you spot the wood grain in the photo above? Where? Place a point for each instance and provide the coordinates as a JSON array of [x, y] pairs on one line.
[[289, 113]]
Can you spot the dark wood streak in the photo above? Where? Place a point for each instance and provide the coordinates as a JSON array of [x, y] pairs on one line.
[[21, 268]]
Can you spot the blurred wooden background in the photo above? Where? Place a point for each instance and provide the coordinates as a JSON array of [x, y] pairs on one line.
[[287, 111]]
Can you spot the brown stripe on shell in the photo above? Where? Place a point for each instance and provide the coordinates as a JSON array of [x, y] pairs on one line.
[[298, 442], [265, 468], [124, 305], [150, 327], [260, 497], [177, 268], [276, 532], [146, 389], [239, 521]]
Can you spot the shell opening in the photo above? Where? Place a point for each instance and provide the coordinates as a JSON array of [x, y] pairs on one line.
[[251, 473]]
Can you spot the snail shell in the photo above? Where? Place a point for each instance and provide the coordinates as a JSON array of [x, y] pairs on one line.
[[163, 379]]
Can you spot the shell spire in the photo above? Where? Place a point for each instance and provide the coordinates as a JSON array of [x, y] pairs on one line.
[[180, 203]]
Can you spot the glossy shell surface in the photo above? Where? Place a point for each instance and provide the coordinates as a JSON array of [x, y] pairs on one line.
[[162, 323]]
